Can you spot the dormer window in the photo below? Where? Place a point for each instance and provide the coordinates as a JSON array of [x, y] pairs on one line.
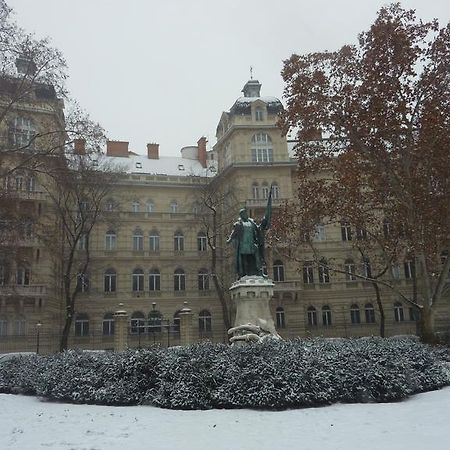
[[180, 167], [138, 165], [259, 114]]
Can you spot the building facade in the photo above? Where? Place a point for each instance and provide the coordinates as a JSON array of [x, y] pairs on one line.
[[160, 250]]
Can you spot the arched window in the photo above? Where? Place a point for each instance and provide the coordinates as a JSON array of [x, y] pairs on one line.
[[110, 280], [110, 240], [82, 325], [326, 315], [370, 313], [346, 231], [108, 324], [178, 241], [202, 243], [275, 191], [23, 132], [203, 280], [110, 205], [137, 323], [312, 316], [173, 206], [179, 280], [280, 317], [367, 268], [82, 282], [138, 280], [355, 316], [409, 269], [150, 206], [278, 270], [154, 321], [20, 326], [261, 148], [153, 241], [154, 280], [138, 240], [399, 315], [324, 273], [255, 190], [204, 321], [265, 190], [350, 269]]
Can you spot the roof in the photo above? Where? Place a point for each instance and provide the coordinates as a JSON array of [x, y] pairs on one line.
[[243, 105]]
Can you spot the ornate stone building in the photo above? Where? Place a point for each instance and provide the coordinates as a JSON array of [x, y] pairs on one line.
[[153, 253]]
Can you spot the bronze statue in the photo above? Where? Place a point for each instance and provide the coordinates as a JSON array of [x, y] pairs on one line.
[[248, 238]]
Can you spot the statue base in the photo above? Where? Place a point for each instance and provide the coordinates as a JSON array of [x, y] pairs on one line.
[[254, 321]]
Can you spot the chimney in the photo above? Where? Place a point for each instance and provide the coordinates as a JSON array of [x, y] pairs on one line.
[[201, 145], [117, 148], [79, 146], [153, 151]]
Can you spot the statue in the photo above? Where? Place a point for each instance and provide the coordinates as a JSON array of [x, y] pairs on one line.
[[248, 238]]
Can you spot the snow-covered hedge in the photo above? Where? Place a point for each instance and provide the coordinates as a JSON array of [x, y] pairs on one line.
[[271, 375]]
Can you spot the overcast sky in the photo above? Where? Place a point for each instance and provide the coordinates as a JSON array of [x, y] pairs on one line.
[[163, 71]]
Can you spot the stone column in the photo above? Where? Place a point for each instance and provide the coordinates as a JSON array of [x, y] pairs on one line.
[[120, 329], [186, 337]]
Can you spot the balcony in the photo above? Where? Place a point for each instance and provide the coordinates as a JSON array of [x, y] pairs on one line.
[[31, 290]]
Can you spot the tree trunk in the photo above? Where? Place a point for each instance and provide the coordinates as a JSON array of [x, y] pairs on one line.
[[426, 325], [380, 309], [66, 330]]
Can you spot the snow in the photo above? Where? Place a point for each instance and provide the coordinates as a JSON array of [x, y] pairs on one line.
[[253, 99], [26, 423]]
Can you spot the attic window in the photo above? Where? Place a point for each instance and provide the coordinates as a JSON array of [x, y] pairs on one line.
[[212, 169], [138, 165], [180, 167], [95, 163]]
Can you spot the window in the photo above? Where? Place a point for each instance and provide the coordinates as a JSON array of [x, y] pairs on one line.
[[83, 242], [19, 327], [153, 241], [137, 323], [355, 316], [23, 132], [110, 280], [278, 271], [203, 280], [204, 321], [150, 206], [261, 148], [409, 269], [173, 207], [259, 114], [280, 317], [255, 190], [395, 269], [346, 231], [413, 314], [308, 273], [31, 184], [179, 280], [265, 190], [178, 241], [23, 276], [82, 282], [202, 242], [110, 205], [398, 312], [275, 191], [154, 280], [367, 269], [138, 280], [154, 321], [361, 234], [324, 274], [110, 240], [326, 316], [176, 322], [319, 232], [312, 316], [370, 313], [108, 324], [350, 270], [19, 183], [138, 240], [135, 206], [3, 327], [82, 325]]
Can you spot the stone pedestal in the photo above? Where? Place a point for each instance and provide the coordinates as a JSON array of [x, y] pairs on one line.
[[120, 330], [252, 295], [185, 325]]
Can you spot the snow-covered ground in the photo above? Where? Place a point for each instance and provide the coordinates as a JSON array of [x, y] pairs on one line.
[[26, 423]]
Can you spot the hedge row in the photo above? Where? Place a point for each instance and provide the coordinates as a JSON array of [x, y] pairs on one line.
[[271, 375]]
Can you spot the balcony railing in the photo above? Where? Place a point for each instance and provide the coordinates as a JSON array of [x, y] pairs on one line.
[[30, 290]]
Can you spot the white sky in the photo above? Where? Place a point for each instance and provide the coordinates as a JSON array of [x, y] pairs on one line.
[[163, 71]]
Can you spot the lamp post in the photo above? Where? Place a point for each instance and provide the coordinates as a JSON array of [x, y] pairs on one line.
[[38, 329]]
